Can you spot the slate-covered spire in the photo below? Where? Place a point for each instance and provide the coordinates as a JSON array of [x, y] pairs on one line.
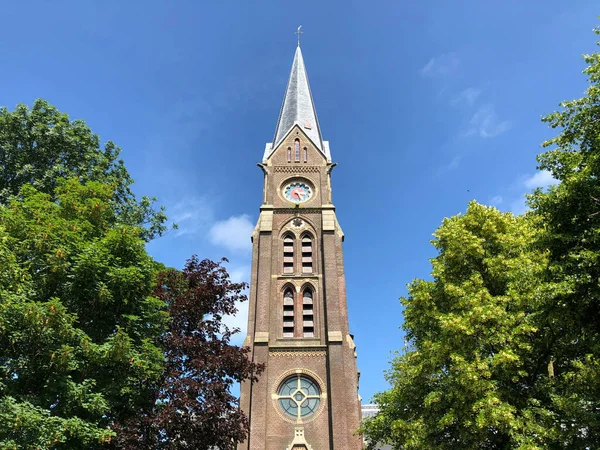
[[298, 107]]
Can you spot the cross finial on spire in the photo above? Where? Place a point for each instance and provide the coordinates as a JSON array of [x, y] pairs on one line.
[[299, 32]]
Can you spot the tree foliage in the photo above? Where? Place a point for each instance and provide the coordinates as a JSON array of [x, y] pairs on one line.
[[78, 323], [41, 146], [469, 377], [570, 213], [193, 407], [504, 343], [98, 347]]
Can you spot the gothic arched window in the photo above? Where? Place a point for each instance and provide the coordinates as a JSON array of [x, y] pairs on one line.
[[288, 254], [307, 256], [305, 154], [297, 149], [288, 313], [308, 314], [289, 153]]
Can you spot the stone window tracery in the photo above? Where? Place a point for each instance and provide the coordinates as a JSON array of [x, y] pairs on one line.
[[299, 396]]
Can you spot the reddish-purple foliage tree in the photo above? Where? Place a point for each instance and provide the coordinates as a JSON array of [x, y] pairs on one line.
[[193, 407]]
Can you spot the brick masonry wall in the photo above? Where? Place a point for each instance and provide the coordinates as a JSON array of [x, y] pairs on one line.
[[329, 357]]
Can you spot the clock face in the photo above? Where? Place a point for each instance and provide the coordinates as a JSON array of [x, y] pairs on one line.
[[297, 192]]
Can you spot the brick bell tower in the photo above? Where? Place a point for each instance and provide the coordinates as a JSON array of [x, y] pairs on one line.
[[307, 398]]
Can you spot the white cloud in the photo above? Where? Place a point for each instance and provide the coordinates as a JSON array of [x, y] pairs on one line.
[[454, 163], [519, 206], [240, 320], [449, 166], [239, 274], [193, 215], [486, 124], [467, 97], [441, 66], [497, 200], [539, 179], [233, 233]]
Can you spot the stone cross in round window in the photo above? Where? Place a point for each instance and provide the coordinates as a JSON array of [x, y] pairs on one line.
[[299, 396]]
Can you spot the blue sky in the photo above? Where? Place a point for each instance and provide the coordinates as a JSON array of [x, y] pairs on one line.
[[427, 105]]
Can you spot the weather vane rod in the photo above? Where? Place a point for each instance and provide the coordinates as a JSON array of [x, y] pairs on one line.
[[299, 32]]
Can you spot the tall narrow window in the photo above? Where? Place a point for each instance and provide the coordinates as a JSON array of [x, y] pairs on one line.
[[289, 154], [307, 256], [297, 149], [288, 313], [308, 317], [305, 154], [288, 254]]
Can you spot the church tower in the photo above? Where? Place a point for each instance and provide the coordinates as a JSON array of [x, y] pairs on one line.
[[307, 397]]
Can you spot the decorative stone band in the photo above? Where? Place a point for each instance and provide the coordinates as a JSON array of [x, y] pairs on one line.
[[297, 210], [296, 169], [297, 354]]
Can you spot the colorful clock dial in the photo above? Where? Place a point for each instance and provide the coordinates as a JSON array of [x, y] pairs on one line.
[[297, 192]]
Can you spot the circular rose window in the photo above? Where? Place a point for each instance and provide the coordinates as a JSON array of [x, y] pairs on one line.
[[299, 396]]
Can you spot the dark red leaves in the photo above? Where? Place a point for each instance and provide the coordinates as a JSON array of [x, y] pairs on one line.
[[194, 408]]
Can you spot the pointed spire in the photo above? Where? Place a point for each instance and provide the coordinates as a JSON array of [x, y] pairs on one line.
[[298, 107]]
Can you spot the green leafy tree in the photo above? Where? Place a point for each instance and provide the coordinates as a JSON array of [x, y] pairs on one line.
[[97, 350], [78, 324], [570, 213], [40, 146], [472, 375], [525, 375]]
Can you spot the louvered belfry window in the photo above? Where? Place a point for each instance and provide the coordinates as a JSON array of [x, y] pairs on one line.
[[307, 255], [308, 315], [288, 254], [288, 313]]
